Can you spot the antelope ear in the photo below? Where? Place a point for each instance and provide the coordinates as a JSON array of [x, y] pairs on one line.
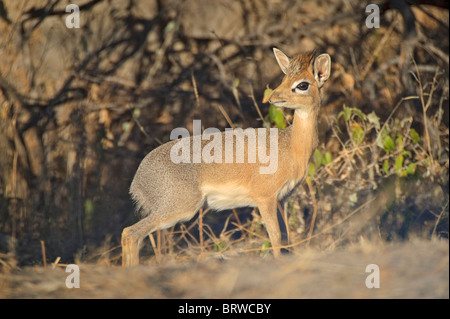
[[322, 69], [282, 59]]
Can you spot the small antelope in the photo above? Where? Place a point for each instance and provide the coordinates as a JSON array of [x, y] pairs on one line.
[[166, 192]]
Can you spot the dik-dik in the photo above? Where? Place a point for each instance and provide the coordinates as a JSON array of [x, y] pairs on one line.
[[166, 192]]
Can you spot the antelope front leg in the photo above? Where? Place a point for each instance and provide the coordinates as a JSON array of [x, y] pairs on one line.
[[268, 211]]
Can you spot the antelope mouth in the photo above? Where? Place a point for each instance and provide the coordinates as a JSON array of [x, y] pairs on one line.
[[278, 103]]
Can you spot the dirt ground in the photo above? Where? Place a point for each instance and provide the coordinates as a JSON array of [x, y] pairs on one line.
[[416, 269]]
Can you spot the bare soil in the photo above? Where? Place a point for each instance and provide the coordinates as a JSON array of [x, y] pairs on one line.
[[415, 269]]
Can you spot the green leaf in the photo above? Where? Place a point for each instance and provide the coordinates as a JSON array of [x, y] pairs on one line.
[[267, 93], [219, 246], [414, 135], [88, 214], [281, 125], [386, 166], [321, 159], [265, 247], [317, 157], [312, 169], [388, 144], [276, 116], [359, 113], [347, 113], [399, 141], [411, 169], [357, 133], [88, 206], [399, 165], [327, 159], [236, 82]]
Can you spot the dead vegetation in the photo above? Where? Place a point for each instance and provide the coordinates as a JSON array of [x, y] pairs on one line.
[[79, 109]]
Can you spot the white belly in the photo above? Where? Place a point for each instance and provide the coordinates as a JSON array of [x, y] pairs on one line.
[[227, 196], [287, 187]]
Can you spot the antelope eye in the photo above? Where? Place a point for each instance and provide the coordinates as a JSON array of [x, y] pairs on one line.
[[303, 86]]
